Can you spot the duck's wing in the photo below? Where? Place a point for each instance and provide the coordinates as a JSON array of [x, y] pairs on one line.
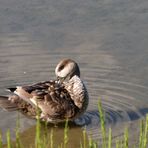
[[57, 105], [28, 91], [20, 98], [51, 97], [36, 86]]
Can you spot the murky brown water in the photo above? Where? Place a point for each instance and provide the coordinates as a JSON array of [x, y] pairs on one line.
[[108, 39]]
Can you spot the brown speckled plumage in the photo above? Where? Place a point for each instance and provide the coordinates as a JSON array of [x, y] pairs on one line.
[[65, 98]]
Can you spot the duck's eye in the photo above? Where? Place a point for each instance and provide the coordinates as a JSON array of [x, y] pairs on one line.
[[61, 67]]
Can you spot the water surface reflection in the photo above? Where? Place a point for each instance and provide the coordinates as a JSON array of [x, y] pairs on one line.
[[107, 38]]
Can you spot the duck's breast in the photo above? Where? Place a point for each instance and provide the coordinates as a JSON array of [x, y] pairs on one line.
[[78, 92]]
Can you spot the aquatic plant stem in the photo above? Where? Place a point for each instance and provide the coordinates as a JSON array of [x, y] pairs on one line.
[[1, 143], [18, 142], [51, 138], [102, 119], [141, 134], [38, 132], [126, 138], [66, 134], [117, 143], [8, 139], [84, 138], [145, 139], [110, 138]]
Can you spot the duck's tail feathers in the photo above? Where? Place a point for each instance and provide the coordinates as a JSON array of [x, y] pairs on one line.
[[7, 104]]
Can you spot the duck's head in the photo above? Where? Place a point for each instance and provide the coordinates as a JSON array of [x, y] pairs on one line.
[[66, 69]]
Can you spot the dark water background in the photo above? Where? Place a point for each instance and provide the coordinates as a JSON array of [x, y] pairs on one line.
[[109, 40]]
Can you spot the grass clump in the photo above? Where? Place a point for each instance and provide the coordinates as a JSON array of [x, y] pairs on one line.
[[143, 136], [46, 139]]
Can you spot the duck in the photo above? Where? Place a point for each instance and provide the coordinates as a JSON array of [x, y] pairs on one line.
[[53, 101]]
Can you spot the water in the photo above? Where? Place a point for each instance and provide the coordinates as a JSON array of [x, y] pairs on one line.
[[108, 39]]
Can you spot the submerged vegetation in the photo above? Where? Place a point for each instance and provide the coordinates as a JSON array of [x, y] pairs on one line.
[[45, 139]]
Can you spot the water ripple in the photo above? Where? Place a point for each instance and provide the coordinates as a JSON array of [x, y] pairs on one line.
[[123, 101]]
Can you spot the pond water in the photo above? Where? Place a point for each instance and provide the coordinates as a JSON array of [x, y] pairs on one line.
[[108, 39]]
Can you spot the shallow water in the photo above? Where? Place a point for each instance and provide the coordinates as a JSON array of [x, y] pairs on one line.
[[107, 38]]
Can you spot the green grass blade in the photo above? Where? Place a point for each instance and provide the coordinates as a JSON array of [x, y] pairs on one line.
[[18, 142], [121, 144], [1, 143], [51, 138], [95, 145], [66, 134], [81, 145], [84, 138], [145, 139], [102, 119], [141, 134], [92, 143], [38, 134], [39, 143], [126, 138], [8, 139], [117, 143], [110, 138], [60, 146]]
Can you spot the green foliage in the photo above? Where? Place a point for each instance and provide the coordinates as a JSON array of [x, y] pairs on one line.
[[51, 139], [110, 138], [92, 144], [126, 138], [84, 138], [117, 143], [102, 119], [38, 135], [143, 136], [8, 140], [1, 140], [18, 142], [145, 139], [66, 134], [46, 139]]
